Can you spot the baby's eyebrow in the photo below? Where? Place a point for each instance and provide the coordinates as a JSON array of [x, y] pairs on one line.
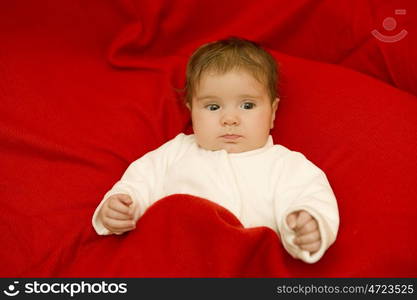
[[208, 97], [249, 96]]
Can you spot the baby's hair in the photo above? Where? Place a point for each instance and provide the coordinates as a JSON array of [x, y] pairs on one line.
[[230, 54]]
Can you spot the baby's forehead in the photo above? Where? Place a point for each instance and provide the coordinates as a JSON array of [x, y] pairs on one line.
[[236, 69], [219, 75], [233, 85]]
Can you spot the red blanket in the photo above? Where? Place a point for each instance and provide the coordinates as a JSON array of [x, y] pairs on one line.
[[86, 87]]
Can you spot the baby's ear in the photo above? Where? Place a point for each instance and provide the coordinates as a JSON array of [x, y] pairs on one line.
[[275, 104], [188, 105], [274, 110]]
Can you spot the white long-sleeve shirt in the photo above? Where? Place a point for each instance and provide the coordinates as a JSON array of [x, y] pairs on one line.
[[260, 187]]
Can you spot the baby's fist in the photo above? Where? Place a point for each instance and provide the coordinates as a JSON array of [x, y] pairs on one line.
[[306, 228], [117, 214]]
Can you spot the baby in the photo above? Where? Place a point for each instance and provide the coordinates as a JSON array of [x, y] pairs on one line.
[[231, 158]]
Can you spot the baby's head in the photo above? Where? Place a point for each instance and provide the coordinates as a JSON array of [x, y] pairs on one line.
[[231, 92]]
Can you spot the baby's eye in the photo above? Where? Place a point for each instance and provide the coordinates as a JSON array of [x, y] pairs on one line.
[[212, 107], [248, 105]]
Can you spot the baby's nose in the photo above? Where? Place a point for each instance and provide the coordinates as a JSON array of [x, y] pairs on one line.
[[230, 119]]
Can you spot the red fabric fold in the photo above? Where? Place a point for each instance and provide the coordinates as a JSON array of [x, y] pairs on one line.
[[322, 31], [182, 236]]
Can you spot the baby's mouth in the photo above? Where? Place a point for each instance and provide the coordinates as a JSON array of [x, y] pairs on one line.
[[231, 136]]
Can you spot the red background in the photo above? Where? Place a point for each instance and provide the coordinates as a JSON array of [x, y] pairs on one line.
[[86, 87]]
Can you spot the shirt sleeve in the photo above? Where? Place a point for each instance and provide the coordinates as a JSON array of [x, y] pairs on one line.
[[140, 180], [303, 186]]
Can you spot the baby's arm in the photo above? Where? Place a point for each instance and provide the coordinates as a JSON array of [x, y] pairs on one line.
[[305, 193], [141, 183], [133, 184]]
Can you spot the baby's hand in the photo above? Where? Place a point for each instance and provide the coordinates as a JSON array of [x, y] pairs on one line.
[[307, 234], [117, 214]]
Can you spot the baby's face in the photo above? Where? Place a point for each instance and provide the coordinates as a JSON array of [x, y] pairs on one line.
[[232, 111]]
